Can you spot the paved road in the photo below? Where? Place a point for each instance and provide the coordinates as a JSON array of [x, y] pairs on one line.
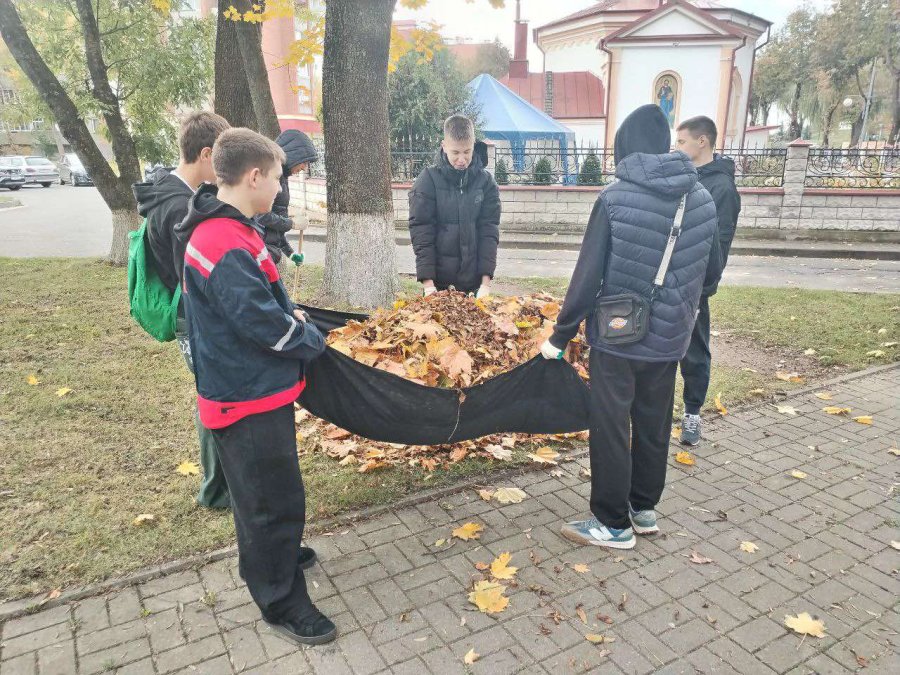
[[823, 548], [67, 221]]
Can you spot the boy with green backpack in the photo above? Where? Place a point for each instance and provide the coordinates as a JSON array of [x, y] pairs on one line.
[[156, 265]]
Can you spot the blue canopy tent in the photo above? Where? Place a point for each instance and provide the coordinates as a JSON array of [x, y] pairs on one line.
[[506, 116]]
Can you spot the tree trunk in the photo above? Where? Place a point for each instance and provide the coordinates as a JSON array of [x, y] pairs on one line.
[[230, 99], [795, 127], [895, 107], [360, 269], [123, 222], [249, 39], [115, 190], [827, 122]]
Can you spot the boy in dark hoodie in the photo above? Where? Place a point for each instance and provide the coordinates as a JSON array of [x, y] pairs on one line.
[[163, 201], [250, 347], [697, 138], [299, 153], [633, 385], [454, 215]]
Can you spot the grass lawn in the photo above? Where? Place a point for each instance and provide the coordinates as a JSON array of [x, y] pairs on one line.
[[75, 469]]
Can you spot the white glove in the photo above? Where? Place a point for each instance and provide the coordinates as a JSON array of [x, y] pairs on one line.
[[428, 290], [483, 292], [548, 351]]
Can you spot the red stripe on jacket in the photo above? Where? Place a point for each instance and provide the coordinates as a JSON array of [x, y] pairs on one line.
[[213, 238], [220, 414]]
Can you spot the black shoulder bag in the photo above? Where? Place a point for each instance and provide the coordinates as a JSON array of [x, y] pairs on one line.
[[625, 318]]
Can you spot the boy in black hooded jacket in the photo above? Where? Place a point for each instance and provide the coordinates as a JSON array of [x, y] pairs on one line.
[[633, 385], [299, 153]]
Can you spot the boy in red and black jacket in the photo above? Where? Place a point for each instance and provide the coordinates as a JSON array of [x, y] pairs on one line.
[[250, 345]]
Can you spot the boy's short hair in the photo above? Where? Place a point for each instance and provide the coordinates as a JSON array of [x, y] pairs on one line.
[[199, 130], [459, 128], [700, 126], [240, 150]]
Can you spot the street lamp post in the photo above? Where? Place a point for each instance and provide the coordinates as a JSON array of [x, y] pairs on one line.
[[849, 101]]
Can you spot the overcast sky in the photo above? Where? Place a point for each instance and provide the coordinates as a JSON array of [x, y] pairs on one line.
[[479, 22]]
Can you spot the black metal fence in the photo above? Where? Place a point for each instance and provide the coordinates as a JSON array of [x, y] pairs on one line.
[[853, 168], [758, 167], [563, 166]]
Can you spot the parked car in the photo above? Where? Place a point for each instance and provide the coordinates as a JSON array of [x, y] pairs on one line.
[[11, 177], [72, 171], [37, 170]]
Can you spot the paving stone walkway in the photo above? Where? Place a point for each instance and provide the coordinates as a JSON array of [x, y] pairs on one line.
[[401, 604]]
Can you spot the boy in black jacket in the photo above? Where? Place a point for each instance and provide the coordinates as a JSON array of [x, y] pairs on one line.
[[163, 201], [250, 347], [454, 215], [697, 138], [633, 384], [299, 153]]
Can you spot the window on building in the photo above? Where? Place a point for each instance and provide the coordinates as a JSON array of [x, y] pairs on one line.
[[8, 96]]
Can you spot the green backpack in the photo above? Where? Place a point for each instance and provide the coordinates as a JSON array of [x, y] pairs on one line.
[[153, 305]]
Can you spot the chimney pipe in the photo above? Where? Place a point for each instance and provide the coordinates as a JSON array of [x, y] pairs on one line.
[[518, 66]]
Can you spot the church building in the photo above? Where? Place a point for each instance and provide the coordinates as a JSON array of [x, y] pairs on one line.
[[689, 57]]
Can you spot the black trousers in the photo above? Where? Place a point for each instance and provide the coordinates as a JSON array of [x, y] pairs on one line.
[[631, 422], [259, 457], [695, 366]]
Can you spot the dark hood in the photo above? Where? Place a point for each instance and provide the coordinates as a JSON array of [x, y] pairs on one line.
[[298, 148], [160, 187], [670, 174], [719, 164], [462, 176], [204, 205], [644, 130]]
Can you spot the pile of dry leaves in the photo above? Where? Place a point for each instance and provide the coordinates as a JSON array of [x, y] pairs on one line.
[[445, 340]]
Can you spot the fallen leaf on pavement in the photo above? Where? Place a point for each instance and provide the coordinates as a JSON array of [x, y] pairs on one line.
[[598, 639], [188, 469], [749, 547], [896, 545], [863, 419], [684, 457], [698, 559], [509, 495], [499, 452], [581, 568], [789, 377], [605, 619], [721, 408], [500, 568], [468, 531], [486, 495], [143, 519], [544, 455], [471, 657], [585, 472], [796, 473], [579, 610], [786, 409], [33, 380], [488, 597], [676, 432], [440, 542], [894, 451], [835, 410], [824, 395], [804, 624]]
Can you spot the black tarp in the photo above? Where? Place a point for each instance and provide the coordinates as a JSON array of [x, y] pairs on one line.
[[536, 397]]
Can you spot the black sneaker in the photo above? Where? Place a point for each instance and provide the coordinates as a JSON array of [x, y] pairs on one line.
[[307, 559], [313, 629], [690, 430]]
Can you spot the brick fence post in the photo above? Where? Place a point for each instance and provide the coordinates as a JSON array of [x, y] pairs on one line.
[[794, 179], [492, 156]]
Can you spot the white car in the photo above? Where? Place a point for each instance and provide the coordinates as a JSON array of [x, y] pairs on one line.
[[37, 170], [72, 171]]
